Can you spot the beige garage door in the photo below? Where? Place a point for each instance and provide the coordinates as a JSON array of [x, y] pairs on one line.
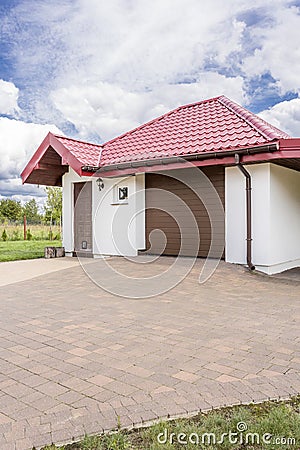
[[158, 219]]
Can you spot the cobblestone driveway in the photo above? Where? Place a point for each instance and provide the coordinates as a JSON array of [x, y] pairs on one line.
[[73, 358]]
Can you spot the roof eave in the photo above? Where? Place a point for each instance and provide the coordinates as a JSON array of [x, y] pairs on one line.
[[210, 158], [51, 141], [289, 144]]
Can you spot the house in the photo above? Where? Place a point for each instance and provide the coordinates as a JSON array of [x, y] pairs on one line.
[[118, 194]]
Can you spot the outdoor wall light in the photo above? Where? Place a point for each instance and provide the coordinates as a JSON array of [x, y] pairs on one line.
[[100, 184]]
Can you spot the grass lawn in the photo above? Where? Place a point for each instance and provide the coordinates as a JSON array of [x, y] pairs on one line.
[[271, 425], [15, 250]]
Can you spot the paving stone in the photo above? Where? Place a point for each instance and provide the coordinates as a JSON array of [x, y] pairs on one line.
[[70, 397], [226, 378], [33, 431], [78, 361], [186, 376], [45, 403], [18, 390], [23, 444], [33, 380], [100, 380], [41, 439], [121, 388], [4, 419], [93, 428], [139, 371], [88, 403], [79, 352], [52, 389], [63, 435], [6, 426], [8, 445], [91, 356]]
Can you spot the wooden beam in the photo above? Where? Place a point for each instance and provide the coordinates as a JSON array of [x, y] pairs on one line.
[[47, 166]]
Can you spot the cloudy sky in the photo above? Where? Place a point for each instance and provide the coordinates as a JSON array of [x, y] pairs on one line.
[[92, 69]]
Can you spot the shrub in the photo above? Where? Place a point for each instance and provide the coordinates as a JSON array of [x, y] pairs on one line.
[[16, 236], [4, 236], [28, 235]]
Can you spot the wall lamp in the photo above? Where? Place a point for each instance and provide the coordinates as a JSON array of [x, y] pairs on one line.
[[100, 184]]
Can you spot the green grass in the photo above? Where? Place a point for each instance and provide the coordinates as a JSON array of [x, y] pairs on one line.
[[16, 250], [281, 420]]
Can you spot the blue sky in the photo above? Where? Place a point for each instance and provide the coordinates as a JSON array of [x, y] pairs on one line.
[[94, 69]]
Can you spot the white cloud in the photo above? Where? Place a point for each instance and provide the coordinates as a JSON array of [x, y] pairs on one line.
[[132, 43], [109, 110], [12, 188], [139, 46], [278, 50], [135, 43], [9, 94], [131, 47], [285, 115], [18, 142], [134, 53]]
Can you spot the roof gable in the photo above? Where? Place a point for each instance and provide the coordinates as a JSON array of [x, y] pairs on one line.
[[53, 157]]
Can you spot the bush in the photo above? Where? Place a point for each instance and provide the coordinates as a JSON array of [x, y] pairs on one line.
[[28, 235], [4, 236], [16, 236]]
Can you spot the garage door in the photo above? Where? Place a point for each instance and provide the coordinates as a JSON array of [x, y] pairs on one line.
[[158, 219]]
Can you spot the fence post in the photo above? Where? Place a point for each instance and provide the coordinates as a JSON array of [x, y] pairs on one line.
[[25, 227]]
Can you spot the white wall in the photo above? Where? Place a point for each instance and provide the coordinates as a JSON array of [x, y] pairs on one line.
[[117, 229], [285, 218], [275, 217]]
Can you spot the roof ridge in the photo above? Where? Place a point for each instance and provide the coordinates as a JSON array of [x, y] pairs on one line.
[[156, 119], [77, 140], [268, 131], [200, 102]]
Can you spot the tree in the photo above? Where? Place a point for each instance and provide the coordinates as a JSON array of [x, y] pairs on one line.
[[53, 206], [10, 210], [31, 210]]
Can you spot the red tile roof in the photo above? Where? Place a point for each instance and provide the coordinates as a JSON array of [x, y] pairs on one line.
[[207, 127], [213, 125], [87, 154]]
